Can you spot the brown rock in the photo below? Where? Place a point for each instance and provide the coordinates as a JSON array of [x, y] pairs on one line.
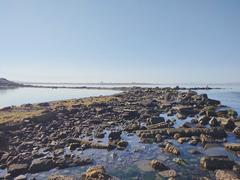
[[157, 165], [96, 172], [171, 149], [232, 146]]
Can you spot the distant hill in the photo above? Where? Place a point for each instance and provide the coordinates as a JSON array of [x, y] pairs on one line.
[[6, 83]]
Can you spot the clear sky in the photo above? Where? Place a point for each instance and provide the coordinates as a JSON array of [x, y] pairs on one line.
[[163, 41]]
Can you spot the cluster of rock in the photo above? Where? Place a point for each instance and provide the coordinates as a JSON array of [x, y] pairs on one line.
[[39, 144]]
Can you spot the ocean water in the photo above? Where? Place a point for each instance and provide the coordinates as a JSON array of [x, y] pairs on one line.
[[18, 96]]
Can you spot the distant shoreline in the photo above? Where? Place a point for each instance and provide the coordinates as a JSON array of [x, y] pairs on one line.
[[122, 88]]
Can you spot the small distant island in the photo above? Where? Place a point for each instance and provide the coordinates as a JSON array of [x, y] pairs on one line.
[[4, 83]]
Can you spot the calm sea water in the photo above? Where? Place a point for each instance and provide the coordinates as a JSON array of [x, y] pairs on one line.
[[9, 97]]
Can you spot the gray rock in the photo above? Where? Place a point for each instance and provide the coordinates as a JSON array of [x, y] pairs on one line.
[[39, 165], [17, 169], [216, 162]]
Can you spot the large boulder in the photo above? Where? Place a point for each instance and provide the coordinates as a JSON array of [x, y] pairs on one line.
[[216, 162], [39, 165]]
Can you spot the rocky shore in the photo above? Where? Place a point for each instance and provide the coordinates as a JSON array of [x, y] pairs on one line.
[[40, 137]]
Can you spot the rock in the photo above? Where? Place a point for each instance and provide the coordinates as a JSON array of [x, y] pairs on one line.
[[21, 177], [122, 144], [236, 168], [115, 135], [130, 114], [61, 177], [228, 113], [185, 132], [157, 165], [158, 138], [74, 146], [39, 165], [212, 102], [232, 146], [159, 125], [99, 135], [203, 120], [171, 149], [185, 110], [132, 127], [168, 174], [179, 161], [227, 123], [45, 104], [182, 140], [232, 113], [214, 122], [193, 142], [216, 162], [180, 116], [187, 125], [3, 140], [96, 172], [236, 131], [17, 169], [155, 120], [226, 175], [194, 121]]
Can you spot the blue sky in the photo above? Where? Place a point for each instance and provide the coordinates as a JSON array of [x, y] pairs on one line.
[[163, 41]]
